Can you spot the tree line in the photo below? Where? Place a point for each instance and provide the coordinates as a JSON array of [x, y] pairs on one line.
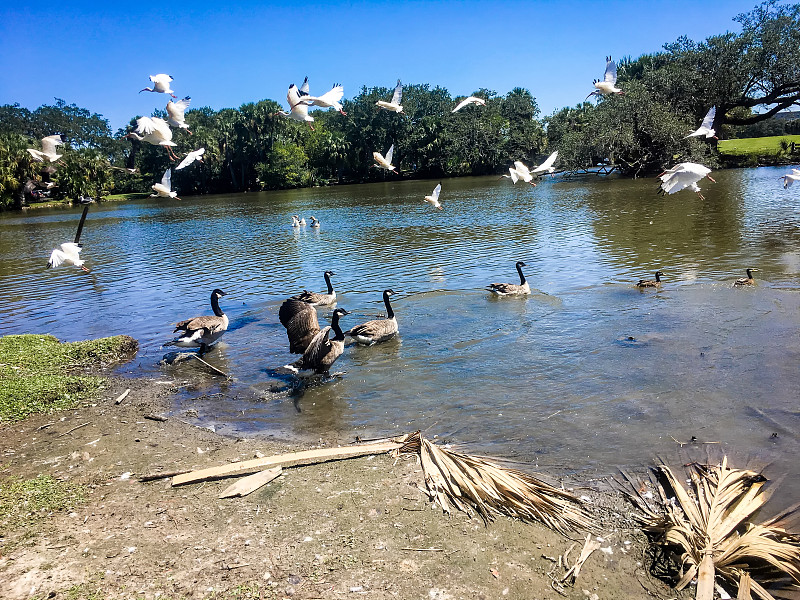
[[750, 76]]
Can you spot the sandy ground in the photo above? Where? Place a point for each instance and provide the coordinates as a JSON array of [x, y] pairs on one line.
[[357, 528]]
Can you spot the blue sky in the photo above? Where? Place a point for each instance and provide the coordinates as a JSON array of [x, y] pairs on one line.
[[99, 55]]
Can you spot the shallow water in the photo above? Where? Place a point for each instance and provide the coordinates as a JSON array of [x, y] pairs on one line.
[[586, 375]]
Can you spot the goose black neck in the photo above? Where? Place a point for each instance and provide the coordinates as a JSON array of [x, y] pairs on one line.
[[215, 306], [328, 282], [749, 273], [339, 335], [521, 276], [389, 311], [658, 277]]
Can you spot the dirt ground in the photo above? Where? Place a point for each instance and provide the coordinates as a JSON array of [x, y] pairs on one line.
[[356, 528]]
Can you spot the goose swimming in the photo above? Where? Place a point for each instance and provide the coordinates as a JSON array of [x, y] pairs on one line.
[[746, 280], [202, 332], [316, 299], [648, 283], [378, 330], [512, 289]]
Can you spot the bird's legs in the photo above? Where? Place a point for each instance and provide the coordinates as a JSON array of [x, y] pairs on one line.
[[82, 267], [711, 178], [341, 111]]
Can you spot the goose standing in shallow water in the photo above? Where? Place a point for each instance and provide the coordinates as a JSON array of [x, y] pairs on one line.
[[511, 289], [322, 351], [315, 299], [649, 283], [202, 332], [746, 280], [378, 330]]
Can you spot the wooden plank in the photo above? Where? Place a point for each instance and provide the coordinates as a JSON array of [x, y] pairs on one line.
[[251, 483], [285, 460]]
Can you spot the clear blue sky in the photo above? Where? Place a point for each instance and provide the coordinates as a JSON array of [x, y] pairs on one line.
[[99, 55]]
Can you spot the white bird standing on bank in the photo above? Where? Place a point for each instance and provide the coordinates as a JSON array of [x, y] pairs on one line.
[[433, 199], [684, 175], [706, 128], [384, 162], [397, 97], [330, 99], [609, 83], [175, 113], [160, 85], [547, 165], [468, 101], [164, 189], [154, 131], [790, 178], [48, 150], [298, 108], [194, 155]]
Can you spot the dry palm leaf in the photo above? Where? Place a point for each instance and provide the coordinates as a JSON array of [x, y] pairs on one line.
[[470, 483], [709, 525]]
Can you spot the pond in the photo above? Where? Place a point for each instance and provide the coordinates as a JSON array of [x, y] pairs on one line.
[[585, 375]]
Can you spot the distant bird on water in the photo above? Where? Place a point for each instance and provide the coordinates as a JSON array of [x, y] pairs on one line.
[[609, 83], [194, 155], [160, 85], [467, 102], [69, 252], [48, 150], [154, 131], [684, 175], [298, 109], [706, 127], [164, 189], [330, 99], [314, 221], [512, 289], [650, 283], [175, 113], [788, 179], [384, 162], [397, 98], [433, 199], [202, 332], [746, 280]]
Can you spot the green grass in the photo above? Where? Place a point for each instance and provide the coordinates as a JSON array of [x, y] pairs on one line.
[[131, 196], [39, 374], [763, 146], [24, 501]]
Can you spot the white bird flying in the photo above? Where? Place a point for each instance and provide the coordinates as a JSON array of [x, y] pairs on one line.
[[48, 150], [298, 109], [175, 116], [512, 175], [547, 165], [397, 97], [706, 128], [70, 252], [384, 162], [467, 101], [520, 171], [190, 158], [684, 175], [330, 99], [609, 83], [433, 199], [790, 178], [160, 85], [164, 189], [154, 131]]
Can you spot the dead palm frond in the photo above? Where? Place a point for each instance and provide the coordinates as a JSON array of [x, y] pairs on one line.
[[470, 483], [709, 525]]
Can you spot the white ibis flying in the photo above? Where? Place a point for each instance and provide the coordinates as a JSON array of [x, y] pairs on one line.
[[547, 165], [706, 128], [790, 178], [330, 99], [468, 101], [397, 97], [160, 85], [175, 113], [70, 252], [684, 175], [190, 158], [154, 131], [384, 162], [298, 109], [609, 83], [164, 189], [48, 150], [433, 199]]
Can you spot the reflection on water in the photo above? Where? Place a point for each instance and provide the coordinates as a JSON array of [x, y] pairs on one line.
[[585, 375]]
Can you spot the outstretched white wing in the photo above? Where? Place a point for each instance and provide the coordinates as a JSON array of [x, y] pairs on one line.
[[708, 122], [513, 174], [389, 154], [333, 96], [304, 89], [397, 97], [436, 191], [50, 142], [190, 158], [176, 109], [611, 72], [548, 164], [470, 100], [166, 181]]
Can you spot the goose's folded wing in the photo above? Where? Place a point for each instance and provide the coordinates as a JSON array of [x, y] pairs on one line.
[[317, 348]]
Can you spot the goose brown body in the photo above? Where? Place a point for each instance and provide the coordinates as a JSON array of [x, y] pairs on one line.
[[316, 299], [650, 283], [300, 320], [746, 280], [323, 350], [202, 332], [378, 330], [512, 289]]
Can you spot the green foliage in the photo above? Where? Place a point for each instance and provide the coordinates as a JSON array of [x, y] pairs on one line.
[[288, 168], [36, 372], [758, 147], [16, 167], [24, 501]]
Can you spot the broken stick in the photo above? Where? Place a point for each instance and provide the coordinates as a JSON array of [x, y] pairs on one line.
[[249, 484]]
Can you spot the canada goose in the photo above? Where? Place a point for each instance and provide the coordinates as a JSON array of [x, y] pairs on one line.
[[510, 289], [648, 283], [300, 320], [69, 254], [378, 330], [746, 280], [202, 332], [314, 221], [322, 352], [315, 299]]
